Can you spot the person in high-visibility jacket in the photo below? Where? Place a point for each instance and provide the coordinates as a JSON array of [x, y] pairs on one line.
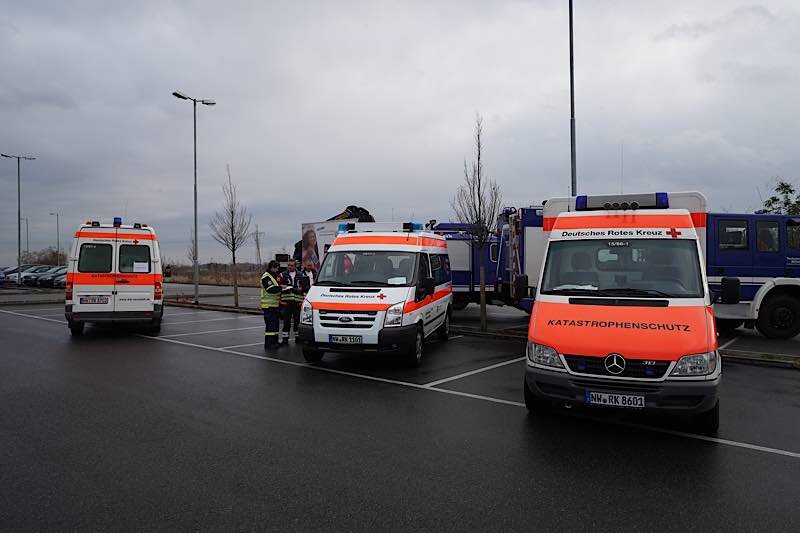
[[270, 304]]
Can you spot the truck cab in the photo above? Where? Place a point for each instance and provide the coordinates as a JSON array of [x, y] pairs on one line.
[[622, 316], [382, 287]]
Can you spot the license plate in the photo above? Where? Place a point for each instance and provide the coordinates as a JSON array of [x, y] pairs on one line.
[[345, 339], [94, 299], [608, 399]]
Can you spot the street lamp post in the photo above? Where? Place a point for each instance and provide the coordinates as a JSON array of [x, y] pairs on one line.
[[27, 238], [572, 106], [182, 96], [19, 212], [58, 241]]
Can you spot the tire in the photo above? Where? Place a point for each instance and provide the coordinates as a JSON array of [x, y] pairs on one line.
[[534, 404], [707, 423], [443, 333], [312, 356], [414, 352], [155, 327], [76, 329], [726, 325], [779, 317], [460, 303]]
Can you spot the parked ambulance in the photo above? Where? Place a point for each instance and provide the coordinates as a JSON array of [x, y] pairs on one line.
[[622, 316], [114, 276], [382, 287]]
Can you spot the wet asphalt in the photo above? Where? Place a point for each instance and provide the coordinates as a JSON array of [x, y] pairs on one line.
[[118, 431]]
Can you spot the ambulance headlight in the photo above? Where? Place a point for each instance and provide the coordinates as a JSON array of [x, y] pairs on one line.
[[394, 316], [306, 313], [699, 364], [543, 355]]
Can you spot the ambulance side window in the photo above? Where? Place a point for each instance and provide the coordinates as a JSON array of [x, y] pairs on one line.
[[94, 258], [134, 258], [440, 268]]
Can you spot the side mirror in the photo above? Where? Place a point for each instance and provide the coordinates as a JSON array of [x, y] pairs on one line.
[[521, 286], [730, 292], [429, 286]]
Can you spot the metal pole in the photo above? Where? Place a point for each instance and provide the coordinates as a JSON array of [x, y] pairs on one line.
[[196, 264], [58, 243], [27, 237], [19, 227], [572, 104]]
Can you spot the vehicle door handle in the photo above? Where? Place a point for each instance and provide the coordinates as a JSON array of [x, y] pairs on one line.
[[123, 281]]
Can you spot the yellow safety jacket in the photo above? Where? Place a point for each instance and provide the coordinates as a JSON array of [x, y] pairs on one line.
[[269, 300]]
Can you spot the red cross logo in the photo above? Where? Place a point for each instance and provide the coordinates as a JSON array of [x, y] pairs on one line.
[[381, 296], [135, 241], [674, 233]]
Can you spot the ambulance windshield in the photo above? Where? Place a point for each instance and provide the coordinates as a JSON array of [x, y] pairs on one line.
[[635, 267], [367, 268]]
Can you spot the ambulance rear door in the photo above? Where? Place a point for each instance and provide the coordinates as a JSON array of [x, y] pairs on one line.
[[135, 279], [93, 274]]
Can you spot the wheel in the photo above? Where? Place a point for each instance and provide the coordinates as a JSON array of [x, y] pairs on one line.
[[311, 355], [155, 327], [414, 354], [460, 303], [533, 402], [727, 325], [779, 317], [443, 333], [707, 422], [76, 328]]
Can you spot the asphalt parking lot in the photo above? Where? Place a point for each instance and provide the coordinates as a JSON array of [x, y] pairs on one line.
[[197, 428]]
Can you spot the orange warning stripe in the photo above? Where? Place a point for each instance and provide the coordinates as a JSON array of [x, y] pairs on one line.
[[410, 240], [438, 295], [639, 220], [113, 235], [83, 278], [346, 306]]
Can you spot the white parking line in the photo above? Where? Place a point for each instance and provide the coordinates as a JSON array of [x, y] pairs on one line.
[[731, 341], [212, 319], [694, 436], [242, 345], [204, 332], [473, 372]]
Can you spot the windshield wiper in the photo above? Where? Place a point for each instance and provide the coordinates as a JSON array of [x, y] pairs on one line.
[[331, 283], [574, 292], [638, 292], [369, 282]]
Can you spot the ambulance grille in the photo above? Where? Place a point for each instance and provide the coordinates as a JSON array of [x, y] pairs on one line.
[[352, 319], [634, 368]]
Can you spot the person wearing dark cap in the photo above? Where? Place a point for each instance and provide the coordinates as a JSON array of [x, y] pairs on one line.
[[270, 304]]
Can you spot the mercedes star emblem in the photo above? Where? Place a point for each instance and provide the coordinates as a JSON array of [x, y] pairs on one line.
[[615, 364]]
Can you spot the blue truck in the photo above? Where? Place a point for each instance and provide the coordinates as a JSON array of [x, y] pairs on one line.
[[758, 252]]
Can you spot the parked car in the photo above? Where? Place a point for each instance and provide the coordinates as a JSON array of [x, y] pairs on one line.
[[60, 282], [29, 277], [12, 276], [46, 279], [2, 277]]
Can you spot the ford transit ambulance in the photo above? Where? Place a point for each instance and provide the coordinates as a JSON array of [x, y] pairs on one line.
[[622, 317], [381, 287], [114, 275]]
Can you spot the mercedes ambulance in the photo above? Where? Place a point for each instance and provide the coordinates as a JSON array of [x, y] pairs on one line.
[[381, 287], [114, 276], [622, 316]]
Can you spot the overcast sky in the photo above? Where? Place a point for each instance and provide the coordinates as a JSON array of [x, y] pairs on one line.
[[322, 105]]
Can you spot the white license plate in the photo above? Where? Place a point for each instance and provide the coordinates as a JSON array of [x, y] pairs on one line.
[[94, 299], [345, 339], [608, 399]]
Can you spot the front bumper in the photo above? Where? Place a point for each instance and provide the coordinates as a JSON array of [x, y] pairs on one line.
[[664, 396], [389, 340]]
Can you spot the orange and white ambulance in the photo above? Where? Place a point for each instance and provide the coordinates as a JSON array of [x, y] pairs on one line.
[[381, 287], [114, 276], [622, 316]]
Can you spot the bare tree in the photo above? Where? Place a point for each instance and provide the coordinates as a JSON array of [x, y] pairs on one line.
[[478, 203], [257, 238], [191, 247], [231, 227]]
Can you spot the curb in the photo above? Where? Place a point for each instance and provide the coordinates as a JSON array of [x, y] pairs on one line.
[[29, 302], [215, 307], [764, 359]]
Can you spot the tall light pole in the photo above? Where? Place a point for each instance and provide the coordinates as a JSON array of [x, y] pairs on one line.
[[182, 96], [58, 241], [572, 105], [19, 212], [27, 238]]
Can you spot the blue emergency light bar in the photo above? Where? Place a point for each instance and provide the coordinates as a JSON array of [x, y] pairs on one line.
[[609, 202], [117, 222]]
